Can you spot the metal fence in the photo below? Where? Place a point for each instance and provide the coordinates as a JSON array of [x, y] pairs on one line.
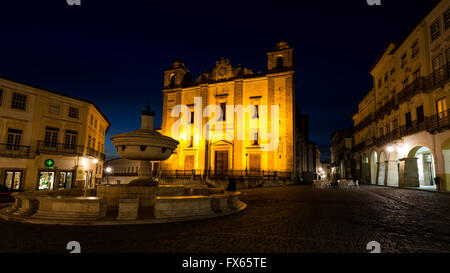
[[222, 174], [13, 150]]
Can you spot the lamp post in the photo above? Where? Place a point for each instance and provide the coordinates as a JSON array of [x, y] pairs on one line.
[[246, 170], [108, 171]]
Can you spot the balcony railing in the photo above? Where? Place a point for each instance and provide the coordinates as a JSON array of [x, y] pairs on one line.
[[365, 122], [92, 152], [123, 174], [424, 84], [12, 150], [58, 148]]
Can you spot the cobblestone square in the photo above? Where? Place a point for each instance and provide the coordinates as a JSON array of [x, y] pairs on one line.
[[294, 219]]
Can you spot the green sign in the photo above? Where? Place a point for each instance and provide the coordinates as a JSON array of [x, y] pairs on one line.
[[49, 163]]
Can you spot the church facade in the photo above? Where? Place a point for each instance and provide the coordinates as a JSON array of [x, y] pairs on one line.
[[223, 153]]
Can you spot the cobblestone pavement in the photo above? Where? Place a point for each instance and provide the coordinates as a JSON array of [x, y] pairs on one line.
[[294, 219]]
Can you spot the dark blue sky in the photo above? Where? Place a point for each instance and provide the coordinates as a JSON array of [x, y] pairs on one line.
[[114, 52]]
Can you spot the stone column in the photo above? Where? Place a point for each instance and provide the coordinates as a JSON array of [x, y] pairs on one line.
[[410, 173], [401, 173], [365, 175], [392, 173], [381, 173]]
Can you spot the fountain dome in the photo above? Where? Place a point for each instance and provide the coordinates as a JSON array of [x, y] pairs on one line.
[[144, 144]]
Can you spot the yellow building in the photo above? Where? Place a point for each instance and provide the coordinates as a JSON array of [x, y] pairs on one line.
[[49, 140], [401, 130], [227, 85]]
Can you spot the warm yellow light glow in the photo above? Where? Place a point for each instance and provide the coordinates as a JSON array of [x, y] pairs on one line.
[[108, 170], [95, 161], [84, 162], [390, 149]]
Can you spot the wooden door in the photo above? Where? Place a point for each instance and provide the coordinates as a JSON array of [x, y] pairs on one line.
[[221, 162]]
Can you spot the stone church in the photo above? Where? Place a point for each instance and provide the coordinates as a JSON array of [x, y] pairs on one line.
[[294, 156]]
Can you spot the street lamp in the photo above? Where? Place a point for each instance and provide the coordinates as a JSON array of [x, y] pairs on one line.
[[95, 161], [246, 156], [108, 171]]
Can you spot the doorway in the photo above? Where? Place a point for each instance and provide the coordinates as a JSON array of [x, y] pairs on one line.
[[221, 162]]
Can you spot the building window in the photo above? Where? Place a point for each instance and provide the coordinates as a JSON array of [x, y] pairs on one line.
[[92, 120], [393, 71], [438, 62], [441, 106], [255, 140], [408, 120], [93, 143], [51, 136], [256, 111], [172, 80], [395, 125], [435, 29], [14, 139], [388, 128], [280, 62], [192, 117], [95, 124], [447, 19], [1, 96], [420, 115], [65, 180], [380, 83], [46, 180], [89, 141], [223, 107], [54, 108], [74, 112], [415, 50], [70, 140], [403, 61], [19, 101], [191, 142], [13, 180], [381, 131], [405, 83], [416, 74]]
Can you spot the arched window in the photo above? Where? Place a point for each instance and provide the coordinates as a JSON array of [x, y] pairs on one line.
[[280, 62], [172, 80]]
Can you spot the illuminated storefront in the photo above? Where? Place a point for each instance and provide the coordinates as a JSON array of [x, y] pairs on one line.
[[49, 141]]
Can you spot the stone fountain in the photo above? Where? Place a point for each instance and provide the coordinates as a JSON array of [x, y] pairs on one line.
[[144, 145], [142, 201]]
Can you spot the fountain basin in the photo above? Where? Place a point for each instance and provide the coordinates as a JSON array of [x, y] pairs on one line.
[[182, 206], [195, 205], [113, 193], [68, 208]]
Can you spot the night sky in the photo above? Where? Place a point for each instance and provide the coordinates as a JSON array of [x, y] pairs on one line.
[[114, 52]]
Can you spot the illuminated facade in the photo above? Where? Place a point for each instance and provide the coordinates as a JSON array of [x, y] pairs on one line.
[[48, 140], [401, 131], [227, 85]]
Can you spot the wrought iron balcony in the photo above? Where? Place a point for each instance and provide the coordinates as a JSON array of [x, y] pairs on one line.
[[92, 152], [425, 84], [17, 151], [47, 147]]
